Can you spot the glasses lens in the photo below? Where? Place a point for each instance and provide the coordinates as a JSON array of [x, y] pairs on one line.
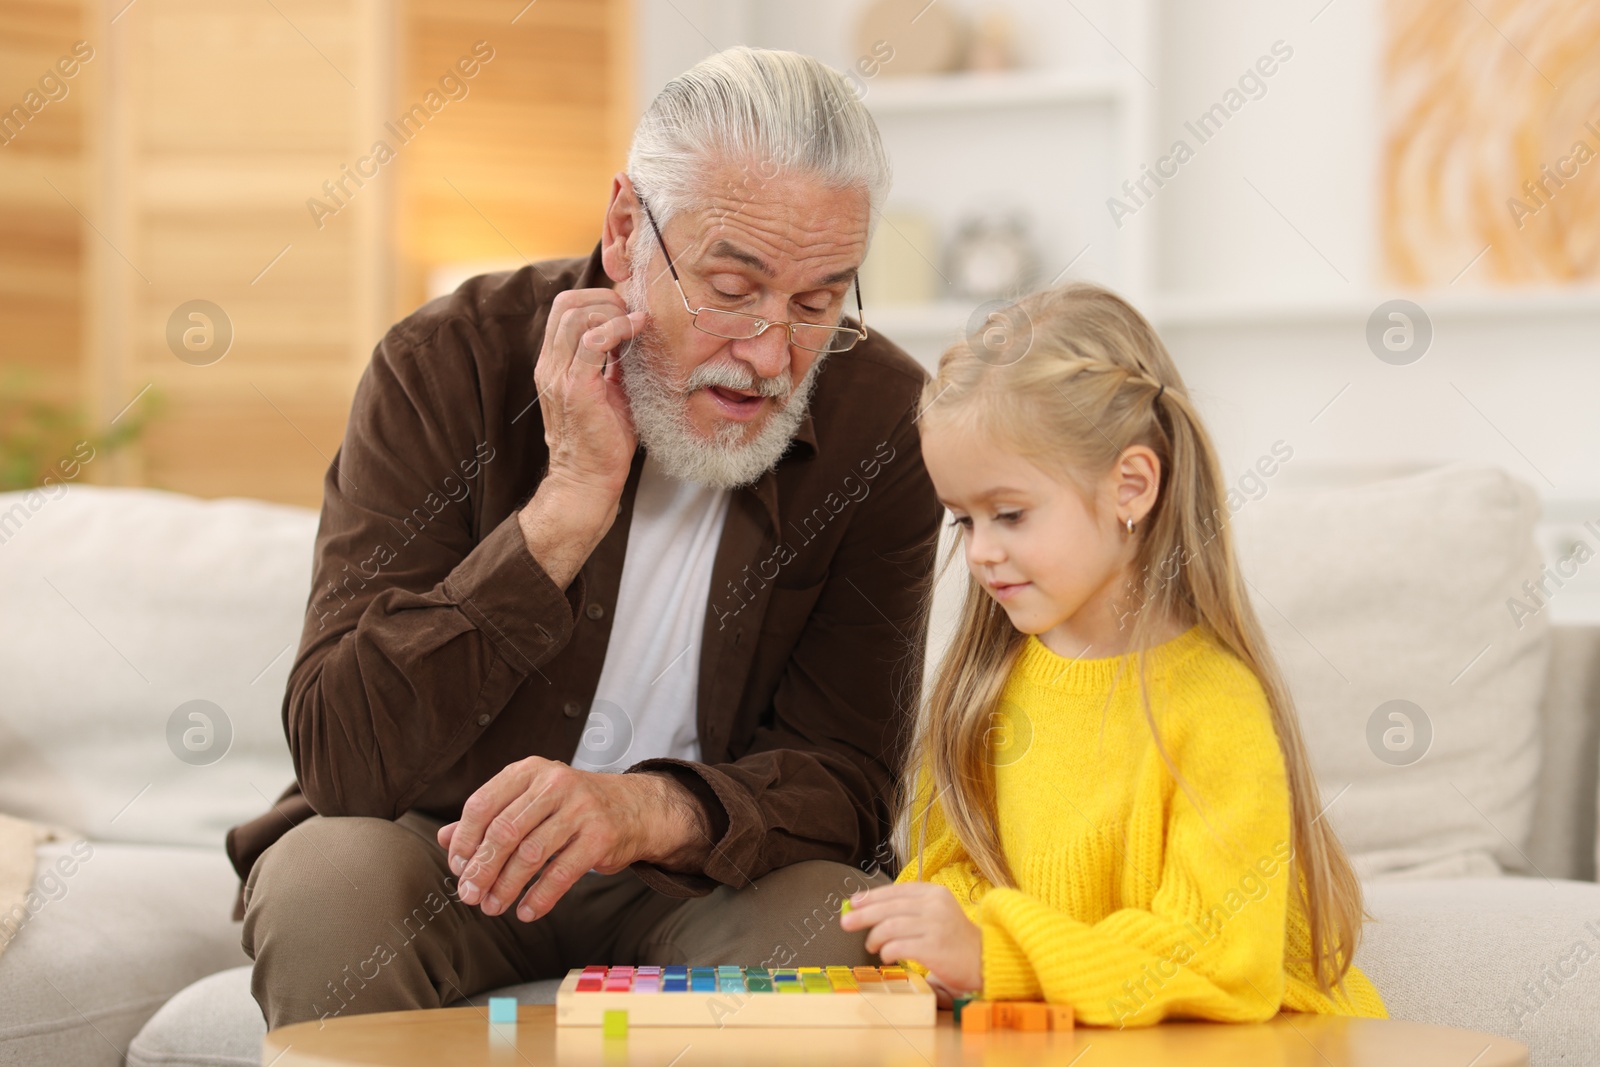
[[734, 325], [824, 338]]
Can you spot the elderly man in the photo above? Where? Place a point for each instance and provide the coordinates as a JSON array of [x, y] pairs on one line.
[[512, 597]]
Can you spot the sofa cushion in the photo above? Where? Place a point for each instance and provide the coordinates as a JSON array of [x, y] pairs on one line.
[[213, 1023], [1417, 690], [122, 605], [1519, 957], [123, 928]]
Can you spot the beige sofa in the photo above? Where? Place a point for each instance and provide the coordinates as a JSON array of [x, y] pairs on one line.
[[124, 605]]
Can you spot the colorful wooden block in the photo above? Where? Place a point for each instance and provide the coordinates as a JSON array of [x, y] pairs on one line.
[[1030, 1016], [957, 1003], [1061, 1016], [977, 1017], [502, 1009], [1004, 1014], [614, 1024]]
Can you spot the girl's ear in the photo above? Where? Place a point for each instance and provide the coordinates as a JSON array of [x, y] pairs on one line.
[[1137, 478]]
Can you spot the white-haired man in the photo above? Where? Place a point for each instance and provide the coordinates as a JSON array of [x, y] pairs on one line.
[[512, 597]]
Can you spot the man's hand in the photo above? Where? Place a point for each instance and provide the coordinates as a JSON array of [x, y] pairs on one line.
[[587, 424], [920, 921], [588, 428], [539, 816]]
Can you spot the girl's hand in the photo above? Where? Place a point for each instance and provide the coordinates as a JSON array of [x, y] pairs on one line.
[[920, 921]]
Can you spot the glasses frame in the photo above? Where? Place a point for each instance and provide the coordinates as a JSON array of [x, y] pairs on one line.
[[761, 324]]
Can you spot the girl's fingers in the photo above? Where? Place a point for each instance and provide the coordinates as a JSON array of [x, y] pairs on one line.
[[864, 916], [900, 926], [872, 906], [901, 949]]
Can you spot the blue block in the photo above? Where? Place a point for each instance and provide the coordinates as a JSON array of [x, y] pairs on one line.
[[502, 1009], [729, 970], [703, 983], [677, 984], [730, 984], [675, 971]]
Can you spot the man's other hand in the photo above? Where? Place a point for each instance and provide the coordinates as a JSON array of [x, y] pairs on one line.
[[540, 816]]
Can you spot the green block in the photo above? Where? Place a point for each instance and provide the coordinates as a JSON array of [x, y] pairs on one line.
[[755, 972], [614, 1023], [960, 1002], [790, 987], [757, 984]]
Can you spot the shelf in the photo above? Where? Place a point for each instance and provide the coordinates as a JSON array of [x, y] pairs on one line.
[[1233, 310], [889, 95], [945, 317]]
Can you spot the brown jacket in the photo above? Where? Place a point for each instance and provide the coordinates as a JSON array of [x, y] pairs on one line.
[[436, 650]]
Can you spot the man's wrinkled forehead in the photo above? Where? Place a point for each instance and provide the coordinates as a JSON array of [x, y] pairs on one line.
[[789, 224]]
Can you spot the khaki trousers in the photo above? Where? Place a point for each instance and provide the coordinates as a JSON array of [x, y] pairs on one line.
[[353, 915]]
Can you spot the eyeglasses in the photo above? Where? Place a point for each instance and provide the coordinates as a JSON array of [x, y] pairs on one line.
[[738, 326]]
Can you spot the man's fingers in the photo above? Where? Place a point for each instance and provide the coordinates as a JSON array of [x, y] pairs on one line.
[[568, 319], [597, 341], [576, 323], [446, 832], [473, 854], [545, 833], [559, 875]]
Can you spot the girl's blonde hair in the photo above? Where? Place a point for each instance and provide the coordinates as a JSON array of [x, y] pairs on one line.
[[1070, 378]]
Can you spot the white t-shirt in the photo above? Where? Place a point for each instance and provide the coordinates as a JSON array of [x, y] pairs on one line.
[[645, 704]]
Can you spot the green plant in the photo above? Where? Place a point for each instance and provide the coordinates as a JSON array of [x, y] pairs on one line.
[[37, 433]]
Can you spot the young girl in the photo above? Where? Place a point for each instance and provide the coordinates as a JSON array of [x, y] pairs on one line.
[[1108, 802]]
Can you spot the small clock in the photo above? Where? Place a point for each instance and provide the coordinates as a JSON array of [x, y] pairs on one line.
[[991, 257]]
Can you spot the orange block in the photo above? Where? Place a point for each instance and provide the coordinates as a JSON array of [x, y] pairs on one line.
[[977, 1017], [1005, 1015], [1031, 1015], [1060, 1016]]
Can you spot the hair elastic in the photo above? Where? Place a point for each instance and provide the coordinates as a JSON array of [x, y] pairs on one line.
[[1159, 392]]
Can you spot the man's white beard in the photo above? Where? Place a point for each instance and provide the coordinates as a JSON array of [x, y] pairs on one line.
[[660, 408]]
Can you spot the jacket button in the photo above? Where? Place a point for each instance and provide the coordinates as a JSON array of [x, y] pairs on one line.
[[570, 709], [594, 611], [483, 720]]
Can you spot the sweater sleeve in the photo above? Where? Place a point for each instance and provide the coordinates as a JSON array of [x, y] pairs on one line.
[[1211, 942]]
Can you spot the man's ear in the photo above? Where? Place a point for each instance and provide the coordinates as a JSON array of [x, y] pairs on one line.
[[619, 229]]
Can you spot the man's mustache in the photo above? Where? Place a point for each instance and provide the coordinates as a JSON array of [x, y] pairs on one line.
[[649, 344]]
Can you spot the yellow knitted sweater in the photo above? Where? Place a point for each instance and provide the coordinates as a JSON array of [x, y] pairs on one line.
[[1127, 906]]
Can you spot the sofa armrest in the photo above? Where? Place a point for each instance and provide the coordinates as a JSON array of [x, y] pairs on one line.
[[1563, 843]]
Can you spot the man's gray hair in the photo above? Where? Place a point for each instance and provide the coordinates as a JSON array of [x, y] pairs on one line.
[[770, 113]]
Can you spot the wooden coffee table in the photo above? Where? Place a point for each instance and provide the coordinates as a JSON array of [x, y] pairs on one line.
[[462, 1037]]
